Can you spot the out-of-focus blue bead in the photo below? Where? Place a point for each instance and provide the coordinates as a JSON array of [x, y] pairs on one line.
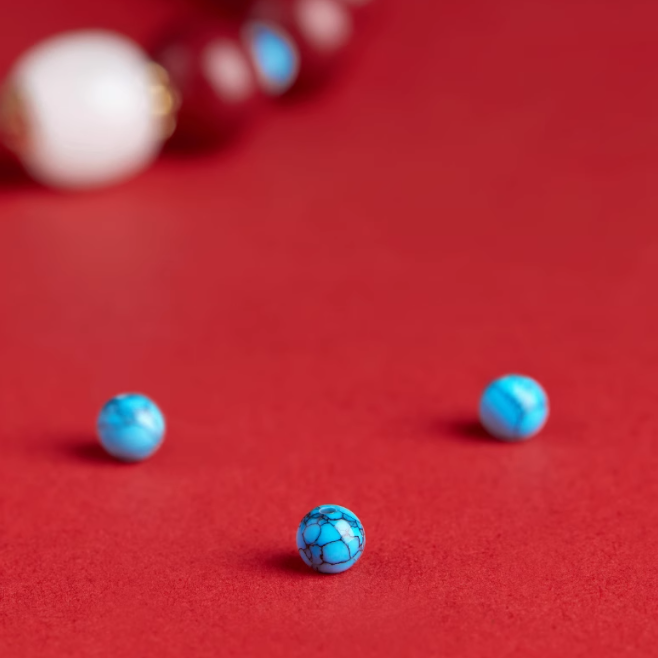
[[330, 539], [275, 57], [131, 427], [513, 408]]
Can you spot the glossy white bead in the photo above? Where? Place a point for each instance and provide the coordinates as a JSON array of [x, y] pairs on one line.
[[91, 118]]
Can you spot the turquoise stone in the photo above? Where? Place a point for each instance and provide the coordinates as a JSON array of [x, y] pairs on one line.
[[275, 57], [513, 408], [330, 539], [131, 427]]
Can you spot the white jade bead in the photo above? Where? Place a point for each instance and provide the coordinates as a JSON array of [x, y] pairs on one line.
[[90, 111]]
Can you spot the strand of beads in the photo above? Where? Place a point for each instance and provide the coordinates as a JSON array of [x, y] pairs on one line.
[[91, 108]]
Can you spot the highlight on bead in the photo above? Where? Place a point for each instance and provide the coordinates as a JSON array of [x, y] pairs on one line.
[[326, 23]]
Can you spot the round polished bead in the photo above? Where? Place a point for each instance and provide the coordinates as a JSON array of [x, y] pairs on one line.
[[214, 77], [514, 408], [274, 54], [330, 539], [92, 109], [318, 31], [131, 427]]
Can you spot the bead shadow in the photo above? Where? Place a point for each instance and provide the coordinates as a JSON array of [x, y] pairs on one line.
[[84, 448], [287, 562], [465, 428]]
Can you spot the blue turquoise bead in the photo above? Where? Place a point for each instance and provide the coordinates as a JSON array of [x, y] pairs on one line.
[[513, 408], [131, 427], [330, 539], [275, 57]]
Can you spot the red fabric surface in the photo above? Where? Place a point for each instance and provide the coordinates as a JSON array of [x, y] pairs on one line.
[[317, 309]]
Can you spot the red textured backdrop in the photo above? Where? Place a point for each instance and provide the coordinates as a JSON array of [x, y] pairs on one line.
[[316, 309]]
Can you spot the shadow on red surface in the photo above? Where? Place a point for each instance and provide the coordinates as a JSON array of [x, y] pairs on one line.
[[84, 448], [461, 428]]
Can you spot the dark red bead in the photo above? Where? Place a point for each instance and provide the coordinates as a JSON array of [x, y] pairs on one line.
[[237, 8], [213, 75], [322, 31]]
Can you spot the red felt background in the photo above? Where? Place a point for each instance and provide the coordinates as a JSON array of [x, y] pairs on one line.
[[317, 309]]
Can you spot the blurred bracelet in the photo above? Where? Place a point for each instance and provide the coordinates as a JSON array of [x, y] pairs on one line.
[[91, 108]]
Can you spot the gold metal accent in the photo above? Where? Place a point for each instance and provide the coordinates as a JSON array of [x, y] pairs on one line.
[[166, 100], [14, 125], [14, 122]]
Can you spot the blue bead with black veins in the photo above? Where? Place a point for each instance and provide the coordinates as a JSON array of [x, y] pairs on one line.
[[330, 539], [131, 427]]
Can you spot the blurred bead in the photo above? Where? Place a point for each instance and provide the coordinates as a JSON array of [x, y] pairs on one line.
[[214, 77], [274, 54], [321, 31], [234, 8], [131, 427], [85, 109]]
